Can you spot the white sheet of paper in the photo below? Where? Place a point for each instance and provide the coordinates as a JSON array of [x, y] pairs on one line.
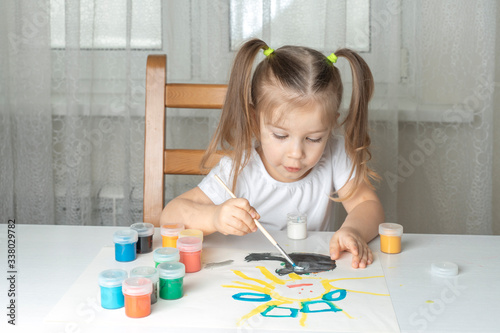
[[243, 295]]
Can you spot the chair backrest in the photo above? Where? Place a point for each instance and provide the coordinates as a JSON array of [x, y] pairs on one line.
[[159, 161]]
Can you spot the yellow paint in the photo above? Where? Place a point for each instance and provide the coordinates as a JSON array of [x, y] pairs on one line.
[[429, 301], [303, 319], [169, 241], [390, 244], [269, 289]]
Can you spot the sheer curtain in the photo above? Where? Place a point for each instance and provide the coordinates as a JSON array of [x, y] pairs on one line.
[[71, 118]]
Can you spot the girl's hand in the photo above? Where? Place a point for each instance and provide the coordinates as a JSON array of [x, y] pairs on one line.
[[235, 217], [348, 239]]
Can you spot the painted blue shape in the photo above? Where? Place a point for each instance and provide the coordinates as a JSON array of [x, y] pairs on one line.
[[329, 297], [330, 307], [293, 312], [252, 297]]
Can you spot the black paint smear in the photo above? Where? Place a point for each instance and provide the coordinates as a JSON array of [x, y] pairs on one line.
[[311, 262]]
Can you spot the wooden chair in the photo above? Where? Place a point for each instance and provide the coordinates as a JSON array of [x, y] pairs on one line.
[[159, 161]]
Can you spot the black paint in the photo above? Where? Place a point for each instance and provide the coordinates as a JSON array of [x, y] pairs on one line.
[[311, 262], [145, 244]]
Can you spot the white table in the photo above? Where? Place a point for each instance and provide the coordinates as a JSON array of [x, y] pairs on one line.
[[50, 258]]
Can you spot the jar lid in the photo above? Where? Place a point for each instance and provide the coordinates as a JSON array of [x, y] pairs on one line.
[[164, 254], [296, 218], [125, 236], [145, 271], [444, 268], [171, 229], [137, 286], [191, 233], [112, 277], [171, 270], [189, 244], [390, 229], [143, 229]]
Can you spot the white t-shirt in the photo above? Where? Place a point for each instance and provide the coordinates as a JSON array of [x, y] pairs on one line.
[[273, 200]]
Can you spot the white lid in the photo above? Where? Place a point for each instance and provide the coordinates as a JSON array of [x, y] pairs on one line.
[[145, 271], [112, 278], [143, 229], [189, 244], [444, 268], [171, 270], [171, 229], [125, 236], [390, 229], [137, 286], [166, 254]]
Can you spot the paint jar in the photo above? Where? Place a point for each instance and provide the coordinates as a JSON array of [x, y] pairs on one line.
[[145, 233], [150, 273], [125, 244], [170, 234], [171, 279], [390, 237], [191, 233], [110, 283], [137, 292], [296, 225], [165, 254], [190, 253]]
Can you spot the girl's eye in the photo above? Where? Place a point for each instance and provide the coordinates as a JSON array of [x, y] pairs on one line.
[[280, 137], [315, 140]]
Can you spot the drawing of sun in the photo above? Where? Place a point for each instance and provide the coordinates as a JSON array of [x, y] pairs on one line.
[[293, 297]]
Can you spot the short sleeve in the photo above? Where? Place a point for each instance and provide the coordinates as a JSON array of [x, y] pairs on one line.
[[341, 163], [211, 187]]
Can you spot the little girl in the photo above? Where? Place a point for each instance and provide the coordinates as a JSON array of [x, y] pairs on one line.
[[281, 156]]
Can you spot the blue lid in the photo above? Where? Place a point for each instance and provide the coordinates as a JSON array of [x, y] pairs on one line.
[[143, 229], [112, 278], [164, 254], [125, 236], [171, 270]]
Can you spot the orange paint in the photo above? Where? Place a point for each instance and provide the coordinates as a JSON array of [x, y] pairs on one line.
[[390, 244], [169, 241], [137, 306], [192, 261]]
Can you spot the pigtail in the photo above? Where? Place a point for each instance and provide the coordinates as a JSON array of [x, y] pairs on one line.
[[237, 123], [357, 139]]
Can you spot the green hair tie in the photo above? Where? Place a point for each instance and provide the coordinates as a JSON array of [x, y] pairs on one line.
[[332, 58], [268, 51]]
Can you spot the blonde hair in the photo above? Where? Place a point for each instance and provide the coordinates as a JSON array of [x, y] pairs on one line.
[[297, 75]]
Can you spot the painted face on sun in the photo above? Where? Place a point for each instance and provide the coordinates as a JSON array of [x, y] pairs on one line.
[[293, 143]]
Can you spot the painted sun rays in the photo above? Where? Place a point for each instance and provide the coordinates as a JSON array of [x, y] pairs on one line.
[[296, 296]]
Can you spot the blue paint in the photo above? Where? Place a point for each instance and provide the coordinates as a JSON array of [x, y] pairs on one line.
[[125, 244], [252, 297], [112, 298], [329, 297], [330, 307], [110, 282], [293, 312]]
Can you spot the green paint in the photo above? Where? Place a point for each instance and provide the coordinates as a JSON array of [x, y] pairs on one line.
[[171, 288]]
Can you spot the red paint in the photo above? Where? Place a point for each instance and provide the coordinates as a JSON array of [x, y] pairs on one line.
[[299, 285], [192, 261]]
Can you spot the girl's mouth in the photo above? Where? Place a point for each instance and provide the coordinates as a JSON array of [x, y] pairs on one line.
[[292, 170]]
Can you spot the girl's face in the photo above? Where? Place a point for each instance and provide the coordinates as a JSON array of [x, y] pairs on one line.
[[291, 147]]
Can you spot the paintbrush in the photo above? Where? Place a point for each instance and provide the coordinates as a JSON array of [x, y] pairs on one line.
[[263, 230]]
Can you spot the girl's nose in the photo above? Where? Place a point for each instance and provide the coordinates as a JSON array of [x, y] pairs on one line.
[[295, 149]]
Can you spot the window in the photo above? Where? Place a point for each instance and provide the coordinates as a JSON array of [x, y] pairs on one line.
[[280, 23], [103, 24]]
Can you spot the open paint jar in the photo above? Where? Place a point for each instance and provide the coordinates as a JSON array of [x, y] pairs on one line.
[[137, 292], [190, 253], [145, 233], [390, 237], [150, 273], [110, 283], [165, 254], [171, 279], [296, 226], [170, 234], [125, 244], [191, 233]]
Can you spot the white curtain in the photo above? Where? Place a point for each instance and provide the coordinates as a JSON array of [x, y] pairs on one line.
[[71, 117]]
